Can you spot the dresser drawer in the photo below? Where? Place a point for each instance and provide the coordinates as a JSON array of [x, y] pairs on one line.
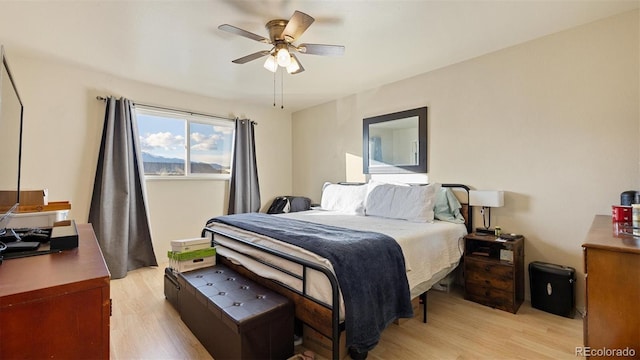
[[489, 274], [500, 299]]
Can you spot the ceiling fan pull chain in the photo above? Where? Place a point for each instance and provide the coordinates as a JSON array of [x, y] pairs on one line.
[[281, 89], [274, 89]]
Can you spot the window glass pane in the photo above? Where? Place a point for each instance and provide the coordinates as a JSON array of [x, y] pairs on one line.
[[163, 144], [210, 146], [168, 139]]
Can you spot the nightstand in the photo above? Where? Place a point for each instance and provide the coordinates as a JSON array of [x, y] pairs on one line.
[[494, 271]]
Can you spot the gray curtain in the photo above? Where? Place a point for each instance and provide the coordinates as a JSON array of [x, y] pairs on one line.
[[118, 211], [244, 191]]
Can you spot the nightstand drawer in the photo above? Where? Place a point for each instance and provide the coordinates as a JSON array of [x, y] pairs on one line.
[[490, 274], [485, 295]]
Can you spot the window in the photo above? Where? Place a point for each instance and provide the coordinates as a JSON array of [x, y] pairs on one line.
[[177, 144]]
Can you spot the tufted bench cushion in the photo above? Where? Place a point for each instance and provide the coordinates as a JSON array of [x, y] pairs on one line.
[[233, 317]]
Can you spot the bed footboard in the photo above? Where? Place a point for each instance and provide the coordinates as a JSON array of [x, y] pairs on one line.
[[321, 317]]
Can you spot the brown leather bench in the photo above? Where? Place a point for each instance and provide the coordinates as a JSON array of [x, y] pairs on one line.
[[233, 317]]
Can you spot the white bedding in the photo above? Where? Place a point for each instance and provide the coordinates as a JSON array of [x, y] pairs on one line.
[[431, 250]]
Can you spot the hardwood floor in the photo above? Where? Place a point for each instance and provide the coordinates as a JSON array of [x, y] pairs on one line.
[[145, 326]]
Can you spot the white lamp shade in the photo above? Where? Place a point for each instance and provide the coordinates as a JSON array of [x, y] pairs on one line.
[[271, 64], [284, 58], [486, 198], [293, 67]]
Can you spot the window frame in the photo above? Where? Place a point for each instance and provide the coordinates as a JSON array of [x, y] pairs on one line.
[[188, 117]]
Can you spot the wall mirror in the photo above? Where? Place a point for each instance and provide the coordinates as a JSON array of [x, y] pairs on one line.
[[395, 143]]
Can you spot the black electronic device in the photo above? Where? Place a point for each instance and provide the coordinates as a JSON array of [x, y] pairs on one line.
[[553, 288], [484, 231], [12, 242], [24, 242], [40, 235], [18, 246], [64, 237], [511, 237]]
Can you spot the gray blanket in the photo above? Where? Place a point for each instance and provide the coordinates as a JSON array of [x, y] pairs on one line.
[[369, 267]]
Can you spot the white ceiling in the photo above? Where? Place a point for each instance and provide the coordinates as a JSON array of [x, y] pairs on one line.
[[176, 44]]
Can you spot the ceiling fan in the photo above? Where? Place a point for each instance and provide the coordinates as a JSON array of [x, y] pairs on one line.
[[282, 35]]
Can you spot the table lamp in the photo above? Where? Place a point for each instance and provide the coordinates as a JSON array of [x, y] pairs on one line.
[[486, 199]]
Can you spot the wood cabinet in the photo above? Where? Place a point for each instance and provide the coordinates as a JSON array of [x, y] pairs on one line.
[[494, 271], [56, 305], [612, 273]]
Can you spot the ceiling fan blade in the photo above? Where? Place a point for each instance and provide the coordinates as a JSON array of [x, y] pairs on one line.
[[237, 31], [251, 57], [300, 67], [321, 49], [298, 23]]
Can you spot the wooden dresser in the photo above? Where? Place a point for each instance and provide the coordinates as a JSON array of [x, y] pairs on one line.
[[612, 268], [56, 305]]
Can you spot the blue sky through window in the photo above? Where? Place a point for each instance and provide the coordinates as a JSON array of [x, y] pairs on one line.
[[211, 144], [162, 136]]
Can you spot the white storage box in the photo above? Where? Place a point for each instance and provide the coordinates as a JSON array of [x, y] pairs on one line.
[[37, 219], [190, 244], [188, 265]]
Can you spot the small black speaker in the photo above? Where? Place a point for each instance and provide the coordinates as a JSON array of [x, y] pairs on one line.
[[553, 288], [64, 236]]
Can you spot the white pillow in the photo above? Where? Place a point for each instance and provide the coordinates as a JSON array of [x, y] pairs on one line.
[[348, 199], [413, 203]]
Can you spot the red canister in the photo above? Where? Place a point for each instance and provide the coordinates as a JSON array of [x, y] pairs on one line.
[[621, 213]]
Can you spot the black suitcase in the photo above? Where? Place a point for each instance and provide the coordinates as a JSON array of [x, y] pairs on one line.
[[553, 288]]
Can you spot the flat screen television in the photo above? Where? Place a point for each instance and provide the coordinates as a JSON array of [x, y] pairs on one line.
[[11, 111]]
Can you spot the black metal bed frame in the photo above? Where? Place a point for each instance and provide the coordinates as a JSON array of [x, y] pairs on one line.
[[336, 325]]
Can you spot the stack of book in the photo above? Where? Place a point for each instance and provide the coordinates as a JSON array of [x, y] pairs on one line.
[[191, 254]]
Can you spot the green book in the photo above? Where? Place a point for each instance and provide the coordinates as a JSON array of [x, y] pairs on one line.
[[190, 255]]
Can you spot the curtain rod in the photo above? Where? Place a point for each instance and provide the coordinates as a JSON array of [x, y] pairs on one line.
[[102, 98]]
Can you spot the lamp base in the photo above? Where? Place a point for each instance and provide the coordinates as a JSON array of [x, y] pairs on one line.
[[485, 231]]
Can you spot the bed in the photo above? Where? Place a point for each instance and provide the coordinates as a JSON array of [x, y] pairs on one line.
[[285, 261]]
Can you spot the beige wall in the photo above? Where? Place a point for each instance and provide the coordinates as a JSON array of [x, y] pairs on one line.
[[553, 122], [62, 129]]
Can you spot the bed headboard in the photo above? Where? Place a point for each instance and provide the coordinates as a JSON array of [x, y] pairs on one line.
[[462, 193]]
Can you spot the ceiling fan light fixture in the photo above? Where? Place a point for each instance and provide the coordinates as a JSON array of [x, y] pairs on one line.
[[293, 67], [271, 64], [284, 58]]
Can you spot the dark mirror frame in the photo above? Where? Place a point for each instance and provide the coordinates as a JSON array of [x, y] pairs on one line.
[[421, 113]]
